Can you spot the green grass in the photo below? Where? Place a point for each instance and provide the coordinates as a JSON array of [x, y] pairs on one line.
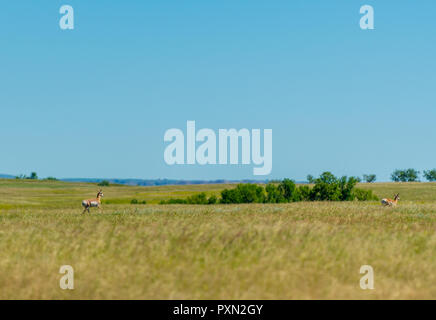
[[289, 251]]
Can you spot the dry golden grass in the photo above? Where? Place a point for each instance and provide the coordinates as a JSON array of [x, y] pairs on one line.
[[287, 251]]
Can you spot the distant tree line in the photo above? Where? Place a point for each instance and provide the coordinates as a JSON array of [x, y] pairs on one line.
[[33, 176], [407, 175], [326, 187], [430, 175], [412, 175], [369, 178], [399, 175]]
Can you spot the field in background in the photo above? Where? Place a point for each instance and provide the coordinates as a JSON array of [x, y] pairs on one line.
[[287, 251]]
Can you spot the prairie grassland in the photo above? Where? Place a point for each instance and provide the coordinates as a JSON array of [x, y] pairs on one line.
[[287, 251]]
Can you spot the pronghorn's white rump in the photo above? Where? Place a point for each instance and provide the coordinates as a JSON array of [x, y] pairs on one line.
[[93, 202], [390, 202]]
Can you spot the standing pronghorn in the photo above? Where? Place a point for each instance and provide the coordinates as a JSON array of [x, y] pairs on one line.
[[93, 202], [390, 202]]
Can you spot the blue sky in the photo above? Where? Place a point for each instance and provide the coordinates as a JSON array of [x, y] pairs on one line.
[[96, 101]]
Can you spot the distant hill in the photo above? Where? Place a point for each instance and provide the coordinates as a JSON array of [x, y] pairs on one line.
[[161, 182], [152, 182], [147, 182], [6, 176]]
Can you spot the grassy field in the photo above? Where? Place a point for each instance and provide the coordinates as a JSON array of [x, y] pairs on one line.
[[287, 251]]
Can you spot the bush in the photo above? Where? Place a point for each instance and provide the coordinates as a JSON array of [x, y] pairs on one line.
[[273, 194], [51, 179], [243, 193], [135, 201], [329, 188], [346, 186], [289, 190], [326, 188], [212, 200], [364, 195], [199, 198], [230, 196], [174, 201], [369, 178], [104, 183], [408, 175], [430, 175], [304, 193]]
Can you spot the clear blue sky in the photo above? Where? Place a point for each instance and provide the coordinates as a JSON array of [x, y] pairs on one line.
[[97, 100]]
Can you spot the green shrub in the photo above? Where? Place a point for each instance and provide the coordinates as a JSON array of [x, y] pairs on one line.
[[346, 186], [230, 196], [364, 195], [326, 188], [199, 198], [135, 201], [212, 200], [304, 193], [329, 188], [273, 194], [243, 193], [289, 190], [175, 201]]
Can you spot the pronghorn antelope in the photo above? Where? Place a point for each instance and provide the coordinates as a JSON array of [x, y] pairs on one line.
[[92, 202], [390, 202]]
